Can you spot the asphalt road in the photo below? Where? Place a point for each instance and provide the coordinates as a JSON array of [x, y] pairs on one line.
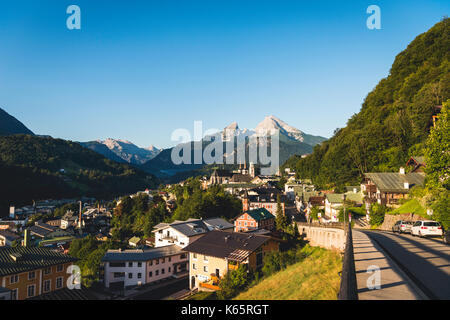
[[425, 261], [165, 291]]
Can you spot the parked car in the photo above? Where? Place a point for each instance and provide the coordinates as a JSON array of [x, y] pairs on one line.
[[402, 226], [427, 228]]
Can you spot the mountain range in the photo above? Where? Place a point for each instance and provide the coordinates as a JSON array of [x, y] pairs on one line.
[[292, 142], [122, 150], [159, 162]]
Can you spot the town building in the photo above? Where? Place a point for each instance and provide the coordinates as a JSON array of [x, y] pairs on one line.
[[217, 252], [263, 198], [254, 220], [182, 233], [126, 268], [42, 231], [28, 272], [7, 238], [220, 177], [388, 188]]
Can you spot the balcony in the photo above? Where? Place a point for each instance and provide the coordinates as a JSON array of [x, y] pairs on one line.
[[209, 286], [233, 266]]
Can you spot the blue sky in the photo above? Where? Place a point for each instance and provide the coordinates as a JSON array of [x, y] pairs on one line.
[[138, 70]]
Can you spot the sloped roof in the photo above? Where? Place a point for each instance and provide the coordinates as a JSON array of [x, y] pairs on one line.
[[29, 258], [193, 227], [394, 182], [134, 240], [334, 197], [231, 245], [241, 178], [218, 223], [260, 214], [141, 254], [8, 235]]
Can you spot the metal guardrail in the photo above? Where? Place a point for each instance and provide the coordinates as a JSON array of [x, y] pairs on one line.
[[348, 289]]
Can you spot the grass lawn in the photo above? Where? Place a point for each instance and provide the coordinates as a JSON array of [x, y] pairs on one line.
[[411, 206], [314, 278]]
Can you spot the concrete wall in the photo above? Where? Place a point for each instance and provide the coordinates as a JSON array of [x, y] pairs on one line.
[[390, 220], [328, 238]]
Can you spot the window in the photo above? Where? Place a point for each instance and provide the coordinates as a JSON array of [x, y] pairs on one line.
[[168, 270], [116, 264], [170, 259], [194, 256], [47, 285], [183, 256], [163, 271], [14, 279], [150, 274], [119, 274], [205, 268], [47, 270], [130, 276], [194, 266], [157, 261], [31, 290], [139, 264], [205, 258], [139, 275], [59, 282], [59, 268], [31, 276], [163, 260], [156, 272], [14, 294], [150, 263], [130, 264]]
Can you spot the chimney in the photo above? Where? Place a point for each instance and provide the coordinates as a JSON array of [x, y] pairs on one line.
[[402, 170], [79, 220], [26, 238]]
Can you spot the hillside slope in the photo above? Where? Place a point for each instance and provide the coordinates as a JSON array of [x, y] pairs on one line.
[[10, 125], [35, 168], [395, 117], [314, 278]]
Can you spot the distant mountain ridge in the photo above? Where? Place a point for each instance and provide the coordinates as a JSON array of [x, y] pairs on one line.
[[34, 168], [10, 125], [122, 151], [292, 142]]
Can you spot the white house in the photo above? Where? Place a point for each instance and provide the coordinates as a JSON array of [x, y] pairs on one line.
[[181, 233]]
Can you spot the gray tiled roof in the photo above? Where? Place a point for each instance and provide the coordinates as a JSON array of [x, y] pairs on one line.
[[8, 235], [218, 223], [223, 244], [394, 182], [29, 259], [141, 254], [194, 227]]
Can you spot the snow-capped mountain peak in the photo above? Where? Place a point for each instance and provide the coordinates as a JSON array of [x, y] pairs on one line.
[[273, 123]]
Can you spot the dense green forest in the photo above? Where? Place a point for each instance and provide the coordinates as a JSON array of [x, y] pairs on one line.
[[137, 216], [394, 120], [33, 168]]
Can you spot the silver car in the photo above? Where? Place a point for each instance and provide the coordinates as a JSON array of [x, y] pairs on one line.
[[402, 226]]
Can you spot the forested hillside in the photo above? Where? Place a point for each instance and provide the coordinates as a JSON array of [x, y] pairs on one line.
[[394, 120], [33, 168]]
